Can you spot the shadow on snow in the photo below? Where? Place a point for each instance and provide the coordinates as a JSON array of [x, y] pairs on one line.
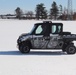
[[32, 53]]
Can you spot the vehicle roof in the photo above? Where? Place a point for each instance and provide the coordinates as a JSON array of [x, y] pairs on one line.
[[49, 23]]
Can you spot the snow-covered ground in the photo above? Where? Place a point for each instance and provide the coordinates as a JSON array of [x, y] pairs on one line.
[[12, 62]]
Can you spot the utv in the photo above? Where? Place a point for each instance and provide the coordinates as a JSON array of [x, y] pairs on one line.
[[47, 35]]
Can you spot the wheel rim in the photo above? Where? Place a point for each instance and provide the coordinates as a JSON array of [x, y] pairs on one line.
[[26, 49], [71, 49]]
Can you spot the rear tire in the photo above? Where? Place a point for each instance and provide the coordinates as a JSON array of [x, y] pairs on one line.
[[24, 48], [71, 49]]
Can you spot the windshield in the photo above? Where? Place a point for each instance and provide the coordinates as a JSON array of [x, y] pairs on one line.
[[33, 29]]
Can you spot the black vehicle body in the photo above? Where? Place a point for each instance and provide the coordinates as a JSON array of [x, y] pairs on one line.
[[47, 35]]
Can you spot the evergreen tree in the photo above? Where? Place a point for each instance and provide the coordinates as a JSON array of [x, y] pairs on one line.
[[41, 12], [54, 10]]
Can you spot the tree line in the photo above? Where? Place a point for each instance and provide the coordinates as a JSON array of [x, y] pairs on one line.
[[40, 12], [55, 12]]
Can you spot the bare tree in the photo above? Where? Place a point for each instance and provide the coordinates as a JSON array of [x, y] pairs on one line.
[[18, 12], [61, 9], [29, 14]]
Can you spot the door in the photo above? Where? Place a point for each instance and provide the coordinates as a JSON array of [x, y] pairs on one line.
[[39, 38], [55, 37]]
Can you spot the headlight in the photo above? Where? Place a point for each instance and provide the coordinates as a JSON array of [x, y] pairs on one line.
[[22, 38], [19, 39]]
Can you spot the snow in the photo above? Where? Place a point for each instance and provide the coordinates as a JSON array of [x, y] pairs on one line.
[[37, 62]]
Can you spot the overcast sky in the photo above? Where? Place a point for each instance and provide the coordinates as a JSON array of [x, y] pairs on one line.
[[8, 6]]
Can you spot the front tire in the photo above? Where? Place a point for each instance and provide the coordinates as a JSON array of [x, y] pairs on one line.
[[24, 48], [71, 49]]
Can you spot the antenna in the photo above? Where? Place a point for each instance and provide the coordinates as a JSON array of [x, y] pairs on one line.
[[69, 11]]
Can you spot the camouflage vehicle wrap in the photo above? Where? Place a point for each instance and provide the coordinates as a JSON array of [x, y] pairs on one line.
[[47, 35]]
